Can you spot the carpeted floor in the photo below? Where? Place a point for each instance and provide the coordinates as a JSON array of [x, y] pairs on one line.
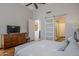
[[7, 52]]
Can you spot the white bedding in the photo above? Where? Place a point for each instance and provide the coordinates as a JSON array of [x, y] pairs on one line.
[[45, 48]]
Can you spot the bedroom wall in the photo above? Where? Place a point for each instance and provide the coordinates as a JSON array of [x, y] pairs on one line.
[[13, 14], [71, 11]]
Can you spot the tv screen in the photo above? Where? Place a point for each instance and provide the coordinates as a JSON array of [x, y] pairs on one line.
[[13, 29]]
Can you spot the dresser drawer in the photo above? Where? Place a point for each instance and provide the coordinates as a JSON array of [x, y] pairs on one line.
[[15, 39]]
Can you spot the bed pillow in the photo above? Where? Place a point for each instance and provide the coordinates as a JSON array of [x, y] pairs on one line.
[[71, 39]]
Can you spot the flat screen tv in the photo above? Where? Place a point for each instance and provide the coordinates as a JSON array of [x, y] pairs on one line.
[[13, 29]]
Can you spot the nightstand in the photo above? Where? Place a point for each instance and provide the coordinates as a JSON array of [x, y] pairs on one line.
[[27, 39]]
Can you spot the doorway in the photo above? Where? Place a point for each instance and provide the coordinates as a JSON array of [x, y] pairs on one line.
[[37, 29], [60, 28]]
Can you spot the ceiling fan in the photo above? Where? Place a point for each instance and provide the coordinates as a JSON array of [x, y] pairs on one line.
[[35, 4]]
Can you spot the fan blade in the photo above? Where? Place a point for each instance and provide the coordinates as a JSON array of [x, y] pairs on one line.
[[35, 5], [41, 3], [28, 4]]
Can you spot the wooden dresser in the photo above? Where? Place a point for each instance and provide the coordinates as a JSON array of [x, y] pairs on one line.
[[14, 39]]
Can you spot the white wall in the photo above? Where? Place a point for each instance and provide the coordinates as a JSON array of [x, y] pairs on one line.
[[13, 14], [71, 11], [31, 30]]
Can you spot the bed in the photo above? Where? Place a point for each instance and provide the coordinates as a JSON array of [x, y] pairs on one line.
[[47, 48]]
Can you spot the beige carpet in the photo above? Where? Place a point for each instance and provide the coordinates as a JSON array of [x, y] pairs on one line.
[[7, 52]]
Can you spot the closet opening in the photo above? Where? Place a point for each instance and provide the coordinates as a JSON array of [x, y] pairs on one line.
[[60, 28]]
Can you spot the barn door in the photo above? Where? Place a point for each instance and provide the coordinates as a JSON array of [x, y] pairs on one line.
[[49, 28]]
